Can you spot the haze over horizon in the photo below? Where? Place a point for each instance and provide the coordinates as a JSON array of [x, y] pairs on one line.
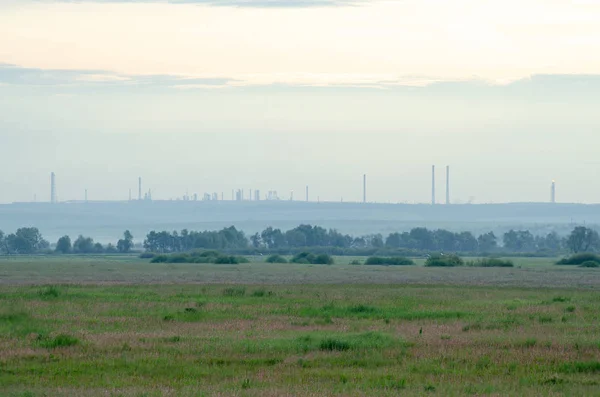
[[206, 96]]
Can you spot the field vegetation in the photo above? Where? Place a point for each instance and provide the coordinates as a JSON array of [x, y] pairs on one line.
[[272, 340]]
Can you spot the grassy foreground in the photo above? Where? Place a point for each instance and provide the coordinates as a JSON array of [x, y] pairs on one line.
[[298, 340]]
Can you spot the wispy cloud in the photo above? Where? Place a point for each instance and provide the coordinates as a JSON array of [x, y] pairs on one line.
[[15, 75], [234, 3], [11, 75]]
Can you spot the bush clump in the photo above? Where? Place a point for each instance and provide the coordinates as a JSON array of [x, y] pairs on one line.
[[389, 261], [62, 340], [491, 262], [200, 257], [276, 259], [590, 264], [441, 260], [147, 255], [579, 259], [309, 258]]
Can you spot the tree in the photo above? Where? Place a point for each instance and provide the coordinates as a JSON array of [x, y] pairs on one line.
[[2, 242], [63, 245], [519, 241], [98, 248], [551, 242], [84, 245], [26, 240], [376, 241], [583, 239], [125, 244], [422, 239], [256, 240], [487, 242]]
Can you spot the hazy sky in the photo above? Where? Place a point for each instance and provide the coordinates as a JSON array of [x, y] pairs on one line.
[[198, 95]]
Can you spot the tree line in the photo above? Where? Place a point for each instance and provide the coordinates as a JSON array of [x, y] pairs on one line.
[[419, 239], [29, 240]]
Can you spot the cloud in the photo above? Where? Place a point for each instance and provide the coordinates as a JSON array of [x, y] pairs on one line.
[[234, 3], [537, 85], [21, 76]]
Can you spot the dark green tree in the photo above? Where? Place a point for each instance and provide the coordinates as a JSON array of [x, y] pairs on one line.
[[125, 244], [84, 245], [63, 245], [519, 241], [26, 240], [487, 242], [583, 239]]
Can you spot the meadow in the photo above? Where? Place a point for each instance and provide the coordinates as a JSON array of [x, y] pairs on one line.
[[121, 326]]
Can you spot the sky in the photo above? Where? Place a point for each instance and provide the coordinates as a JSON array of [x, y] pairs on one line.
[[208, 96]]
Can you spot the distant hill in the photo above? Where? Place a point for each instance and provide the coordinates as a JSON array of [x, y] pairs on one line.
[[105, 221]]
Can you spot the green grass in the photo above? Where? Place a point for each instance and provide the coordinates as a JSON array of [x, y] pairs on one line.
[[263, 333]]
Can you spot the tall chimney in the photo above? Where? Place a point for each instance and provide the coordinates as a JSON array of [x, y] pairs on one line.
[[553, 192], [52, 188], [447, 185], [140, 188], [433, 185], [364, 188], [307, 193]]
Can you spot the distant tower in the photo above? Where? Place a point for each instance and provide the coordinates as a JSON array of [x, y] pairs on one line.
[[364, 188], [53, 188], [433, 185], [129, 194], [307, 193], [86, 196], [140, 188], [447, 185], [292, 195], [553, 192]]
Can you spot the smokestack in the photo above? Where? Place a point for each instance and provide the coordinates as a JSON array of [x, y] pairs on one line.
[[447, 185], [553, 192], [52, 188], [433, 185], [307, 193], [86, 196], [140, 188], [364, 188]]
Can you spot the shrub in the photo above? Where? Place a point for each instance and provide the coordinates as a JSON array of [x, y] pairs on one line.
[[308, 258], [207, 254], [239, 291], [579, 259], [491, 262], [226, 260], [581, 367], [181, 258], [276, 259], [304, 258], [62, 340], [441, 260], [230, 260], [356, 262], [323, 259], [147, 255], [389, 261], [160, 259], [332, 344], [590, 264], [49, 292]]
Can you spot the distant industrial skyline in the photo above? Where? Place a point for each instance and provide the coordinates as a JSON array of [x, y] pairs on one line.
[[270, 195], [209, 96]]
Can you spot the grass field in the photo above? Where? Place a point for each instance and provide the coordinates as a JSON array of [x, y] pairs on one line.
[[120, 326]]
